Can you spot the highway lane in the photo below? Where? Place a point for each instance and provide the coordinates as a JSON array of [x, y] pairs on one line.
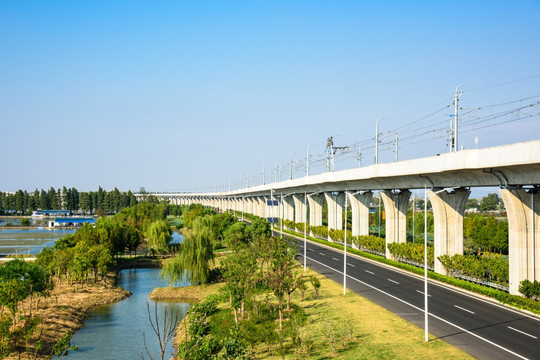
[[479, 327]]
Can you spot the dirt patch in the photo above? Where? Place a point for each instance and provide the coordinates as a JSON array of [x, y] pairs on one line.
[[196, 293]]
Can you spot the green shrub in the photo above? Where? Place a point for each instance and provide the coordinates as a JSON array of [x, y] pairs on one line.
[[370, 242], [529, 289], [491, 267], [413, 252]]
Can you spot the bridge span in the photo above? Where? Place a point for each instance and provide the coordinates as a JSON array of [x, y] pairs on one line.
[[514, 169]]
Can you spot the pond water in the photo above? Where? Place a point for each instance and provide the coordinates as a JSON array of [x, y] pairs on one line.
[[16, 221], [118, 331], [32, 241], [28, 241]]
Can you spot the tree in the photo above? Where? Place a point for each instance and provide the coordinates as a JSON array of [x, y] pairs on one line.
[[240, 274], [237, 236], [472, 204], [195, 257], [43, 202], [158, 236], [132, 238], [85, 202], [281, 274], [260, 228], [164, 332], [20, 280], [490, 202]]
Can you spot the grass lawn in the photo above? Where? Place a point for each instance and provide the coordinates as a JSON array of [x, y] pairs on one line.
[[377, 333], [338, 327]]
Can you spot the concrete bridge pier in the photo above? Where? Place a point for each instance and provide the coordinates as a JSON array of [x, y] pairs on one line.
[[360, 213], [262, 206], [315, 202], [288, 208], [254, 205], [522, 207], [249, 205], [335, 203], [448, 210], [299, 208], [395, 205]]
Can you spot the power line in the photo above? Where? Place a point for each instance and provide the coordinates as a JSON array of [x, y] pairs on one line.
[[502, 84]]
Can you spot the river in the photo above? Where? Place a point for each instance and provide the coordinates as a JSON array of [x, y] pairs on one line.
[[117, 331]]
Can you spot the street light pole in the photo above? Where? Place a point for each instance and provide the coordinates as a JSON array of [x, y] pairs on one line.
[[305, 228], [456, 99], [282, 215], [426, 263], [379, 234], [345, 248], [425, 268]]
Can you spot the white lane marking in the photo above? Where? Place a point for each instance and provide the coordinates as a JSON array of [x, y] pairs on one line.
[[421, 292], [522, 332], [369, 272], [351, 264], [335, 259], [467, 310], [395, 282], [322, 254], [422, 310]]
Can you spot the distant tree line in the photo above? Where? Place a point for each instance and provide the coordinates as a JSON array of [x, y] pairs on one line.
[[92, 202]]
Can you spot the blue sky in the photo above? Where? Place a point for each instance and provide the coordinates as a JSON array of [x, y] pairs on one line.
[[193, 95]]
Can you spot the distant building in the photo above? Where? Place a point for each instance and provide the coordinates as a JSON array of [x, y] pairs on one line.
[[50, 213], [71, 222]]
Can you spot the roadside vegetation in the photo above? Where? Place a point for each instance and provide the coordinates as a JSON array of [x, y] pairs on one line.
[[258, 303]]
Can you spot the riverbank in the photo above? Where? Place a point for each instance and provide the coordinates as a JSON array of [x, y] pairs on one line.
[[65, 311], [377, 333]]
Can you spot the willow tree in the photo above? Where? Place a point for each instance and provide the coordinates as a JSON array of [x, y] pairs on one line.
[[158, 236], [195, 257]]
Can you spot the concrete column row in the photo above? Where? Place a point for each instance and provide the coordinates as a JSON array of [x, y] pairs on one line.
[[522, 206]]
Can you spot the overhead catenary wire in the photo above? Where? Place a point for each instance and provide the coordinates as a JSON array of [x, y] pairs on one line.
[[429, 128]]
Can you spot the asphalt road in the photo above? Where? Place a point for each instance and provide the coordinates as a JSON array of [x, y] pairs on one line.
[[479, 327]]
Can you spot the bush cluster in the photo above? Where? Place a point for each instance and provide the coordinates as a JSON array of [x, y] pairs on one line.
[[412, 252], [489, 267], [530, 289]]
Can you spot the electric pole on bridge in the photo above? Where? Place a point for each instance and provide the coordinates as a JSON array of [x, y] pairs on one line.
[[331, 151]]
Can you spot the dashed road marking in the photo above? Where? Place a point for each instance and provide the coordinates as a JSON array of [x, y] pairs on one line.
[[467, 310], [421, 292], [523, 332]]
